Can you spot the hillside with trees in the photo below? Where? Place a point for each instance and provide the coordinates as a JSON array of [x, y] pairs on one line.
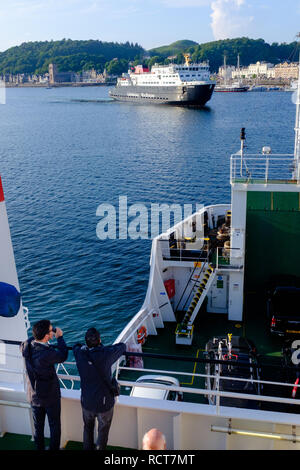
[[173, 49], [69, 55], [250, 51]]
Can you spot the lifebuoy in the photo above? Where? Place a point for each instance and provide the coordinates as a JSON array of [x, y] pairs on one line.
[[142, 335]]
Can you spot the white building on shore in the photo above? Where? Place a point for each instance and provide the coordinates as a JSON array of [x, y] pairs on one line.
[[260, 69], [226, 72]]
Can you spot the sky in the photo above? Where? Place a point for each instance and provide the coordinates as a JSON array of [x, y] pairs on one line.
[[150, 23]]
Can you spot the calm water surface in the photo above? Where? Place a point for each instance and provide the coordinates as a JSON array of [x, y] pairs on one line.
[[65, 151]]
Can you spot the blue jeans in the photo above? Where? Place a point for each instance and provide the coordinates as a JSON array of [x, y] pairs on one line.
[[104, 421], [39, 415]]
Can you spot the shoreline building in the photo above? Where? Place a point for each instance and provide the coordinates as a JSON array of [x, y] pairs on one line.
[[287, 70], [260, 69], [25, 79], [60, 77], [85, 76], [265, 70]]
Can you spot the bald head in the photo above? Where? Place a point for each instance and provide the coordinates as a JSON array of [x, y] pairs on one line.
[[154, 440]]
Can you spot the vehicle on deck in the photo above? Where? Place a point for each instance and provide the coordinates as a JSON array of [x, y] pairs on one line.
[[240, 353], [157, 393], [283, 307]]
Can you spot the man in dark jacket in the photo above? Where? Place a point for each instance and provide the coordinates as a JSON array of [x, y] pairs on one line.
[[94, 363], [43, 388]]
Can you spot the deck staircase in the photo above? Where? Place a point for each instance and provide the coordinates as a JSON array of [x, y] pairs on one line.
[[200, 293]]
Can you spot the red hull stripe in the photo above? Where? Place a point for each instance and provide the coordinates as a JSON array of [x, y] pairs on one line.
[[1, 191]]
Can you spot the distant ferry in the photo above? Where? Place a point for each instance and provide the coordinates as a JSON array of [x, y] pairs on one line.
[[187, 84], [233, 88], [258, 88]]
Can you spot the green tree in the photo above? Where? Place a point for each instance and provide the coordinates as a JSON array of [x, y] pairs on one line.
[[116, 67]]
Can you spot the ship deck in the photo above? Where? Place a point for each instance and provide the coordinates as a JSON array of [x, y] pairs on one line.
[[208, 325], [21, 442]]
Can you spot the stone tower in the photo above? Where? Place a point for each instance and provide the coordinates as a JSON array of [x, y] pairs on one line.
[[52, 73]]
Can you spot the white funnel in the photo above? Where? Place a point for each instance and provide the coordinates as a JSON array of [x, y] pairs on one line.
[[13, 325]]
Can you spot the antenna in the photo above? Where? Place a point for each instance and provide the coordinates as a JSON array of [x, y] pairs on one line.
[[243, 138], [296, 174]]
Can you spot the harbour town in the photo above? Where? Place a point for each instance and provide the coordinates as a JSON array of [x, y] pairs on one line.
[[281, 75]]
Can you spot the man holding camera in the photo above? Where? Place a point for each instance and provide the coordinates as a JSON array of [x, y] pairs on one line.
[[94, 363], [42, 382]]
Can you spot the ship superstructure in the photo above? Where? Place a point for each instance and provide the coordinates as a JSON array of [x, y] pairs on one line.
[[187, 84]]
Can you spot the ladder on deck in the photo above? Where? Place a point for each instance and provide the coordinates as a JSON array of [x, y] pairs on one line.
[[199, 296]]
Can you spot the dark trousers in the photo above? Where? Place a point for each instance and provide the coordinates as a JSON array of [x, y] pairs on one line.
[[104, 422], [39, 415]]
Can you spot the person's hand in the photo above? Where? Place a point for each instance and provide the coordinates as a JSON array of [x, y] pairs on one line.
[[58, 332]]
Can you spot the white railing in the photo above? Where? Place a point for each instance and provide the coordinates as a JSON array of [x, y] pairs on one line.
[[216, 392], [226, 258], [179, 252], [188, 387], [61, 376], [265, 169]]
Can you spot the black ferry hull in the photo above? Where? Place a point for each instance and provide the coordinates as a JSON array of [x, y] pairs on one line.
[[194, 95]]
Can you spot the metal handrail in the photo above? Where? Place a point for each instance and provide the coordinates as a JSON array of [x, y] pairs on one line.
[[173, 372], [18, 404], [195, 280], [172, 357], [181, 250], [219, 394], [264, 168], [218, 265], [204, 391], [67, 373], [237, 379], [168, 356]]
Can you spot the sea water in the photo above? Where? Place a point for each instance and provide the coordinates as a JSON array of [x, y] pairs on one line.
[[64, 151]]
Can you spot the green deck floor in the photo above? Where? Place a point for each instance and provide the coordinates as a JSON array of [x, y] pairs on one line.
[[12, 441], [255, 326], [164, 343]]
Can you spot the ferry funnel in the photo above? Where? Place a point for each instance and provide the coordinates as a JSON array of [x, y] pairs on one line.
[[13, 324]]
